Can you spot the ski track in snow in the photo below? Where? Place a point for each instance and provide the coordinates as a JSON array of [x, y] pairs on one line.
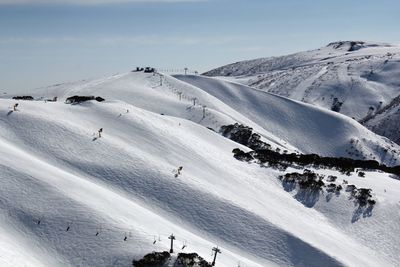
[[299, 92]]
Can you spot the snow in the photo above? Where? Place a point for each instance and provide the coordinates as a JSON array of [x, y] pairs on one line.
[[361, 75], [54, 170], [311, 129]]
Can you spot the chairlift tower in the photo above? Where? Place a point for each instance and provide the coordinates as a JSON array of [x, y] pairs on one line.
[[216, 250], [172, 237]]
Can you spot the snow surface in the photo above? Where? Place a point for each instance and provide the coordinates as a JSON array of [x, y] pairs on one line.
[[310, 129], [364, 76], [54, 170]]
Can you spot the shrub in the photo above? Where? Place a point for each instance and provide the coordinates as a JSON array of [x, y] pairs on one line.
[[78, 99], [241, 155], [155, 259], [363, 196], [243, 135], [263, 153], [333, 188], [25, 97], [191, 260], [336, 105], [307, 180], [149, 70]]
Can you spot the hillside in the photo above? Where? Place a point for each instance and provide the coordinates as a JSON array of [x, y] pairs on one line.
[[385, 121], [70, 198], [310, 129], [357, 79]]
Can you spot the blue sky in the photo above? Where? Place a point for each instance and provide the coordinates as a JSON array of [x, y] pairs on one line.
[[49, 41]]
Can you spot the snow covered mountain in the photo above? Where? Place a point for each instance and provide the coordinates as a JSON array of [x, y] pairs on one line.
[[358, 79], [70, 198]]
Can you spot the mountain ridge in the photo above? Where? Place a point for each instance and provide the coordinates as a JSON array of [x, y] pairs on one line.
[[355, 78]]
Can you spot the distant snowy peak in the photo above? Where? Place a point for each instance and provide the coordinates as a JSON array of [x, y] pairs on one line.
[[356, 78], [350, 46], [340, 51]]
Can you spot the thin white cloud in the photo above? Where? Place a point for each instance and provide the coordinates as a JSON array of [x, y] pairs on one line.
[[150, 40], [168, 40], [36, 40], [87, 2]]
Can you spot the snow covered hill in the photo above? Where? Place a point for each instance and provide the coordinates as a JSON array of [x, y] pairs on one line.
[[70, 198], [357, 79], [310, 129]]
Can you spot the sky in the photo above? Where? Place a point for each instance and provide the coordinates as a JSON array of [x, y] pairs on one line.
[[43, 42]]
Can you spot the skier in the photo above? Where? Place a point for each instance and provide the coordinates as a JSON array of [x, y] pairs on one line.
[[15, 106], [100, 131], [179, 170]]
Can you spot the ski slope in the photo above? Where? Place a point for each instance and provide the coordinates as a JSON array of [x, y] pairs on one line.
[[310, 129], [91, 193]]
